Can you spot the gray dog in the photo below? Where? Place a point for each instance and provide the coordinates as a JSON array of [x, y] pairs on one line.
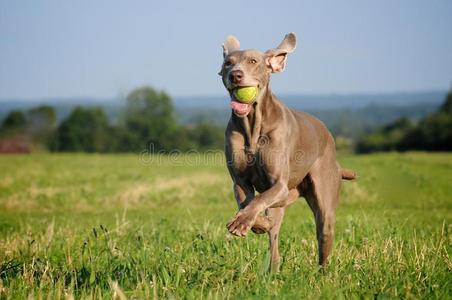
[[281, 153]]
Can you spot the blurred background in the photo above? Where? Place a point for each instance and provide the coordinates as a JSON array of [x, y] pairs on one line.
[[85, 76], [98, 76]]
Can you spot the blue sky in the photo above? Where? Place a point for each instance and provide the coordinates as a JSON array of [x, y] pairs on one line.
[[107, 48]]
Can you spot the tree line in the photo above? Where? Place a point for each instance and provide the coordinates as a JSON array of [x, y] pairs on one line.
[[147, 120], [432, 133]]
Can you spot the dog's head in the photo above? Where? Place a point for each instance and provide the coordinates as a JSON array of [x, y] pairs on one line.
[[245, 68]]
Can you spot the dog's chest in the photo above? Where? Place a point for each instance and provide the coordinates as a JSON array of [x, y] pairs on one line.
[[251, 165]]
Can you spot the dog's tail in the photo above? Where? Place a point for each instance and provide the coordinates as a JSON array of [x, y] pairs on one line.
[[348, 174]]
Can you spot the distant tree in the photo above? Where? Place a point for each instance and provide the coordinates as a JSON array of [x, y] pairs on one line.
[[183, 139], [41, 122], [15, 121], [149, 119], [447, 105], [85, 129], [432, 133], [385, 139], [207, 136], [41, 117], [13, 138]]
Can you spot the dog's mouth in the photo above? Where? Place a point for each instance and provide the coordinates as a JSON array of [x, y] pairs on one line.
[[241, 109], [242, 103]]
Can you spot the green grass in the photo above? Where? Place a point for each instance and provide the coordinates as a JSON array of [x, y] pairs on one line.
[[103, 226]]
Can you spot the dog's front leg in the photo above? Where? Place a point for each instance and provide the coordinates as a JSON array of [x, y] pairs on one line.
[[243, 193], [246, 217]]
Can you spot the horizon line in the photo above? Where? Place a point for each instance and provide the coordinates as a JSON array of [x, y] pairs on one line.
[[118, 97]]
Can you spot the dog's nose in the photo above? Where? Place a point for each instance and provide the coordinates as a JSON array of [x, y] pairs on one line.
[[236, 76]]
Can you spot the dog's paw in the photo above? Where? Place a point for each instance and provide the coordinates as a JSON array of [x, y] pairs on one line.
[[242, 223], [261, 225]]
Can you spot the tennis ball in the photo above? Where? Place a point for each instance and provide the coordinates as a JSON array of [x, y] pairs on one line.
[[246, 94]]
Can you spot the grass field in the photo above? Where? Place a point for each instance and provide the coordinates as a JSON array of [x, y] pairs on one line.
[[103, 226]]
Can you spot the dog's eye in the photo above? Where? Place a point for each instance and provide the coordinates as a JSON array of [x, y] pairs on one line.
[[252, 61], [228, 63]]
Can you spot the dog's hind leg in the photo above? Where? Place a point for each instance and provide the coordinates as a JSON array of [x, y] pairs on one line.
[[276, 215], [322, 196]]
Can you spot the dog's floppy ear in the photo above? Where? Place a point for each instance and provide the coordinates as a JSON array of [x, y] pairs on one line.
[[231, 43], [276, 58]]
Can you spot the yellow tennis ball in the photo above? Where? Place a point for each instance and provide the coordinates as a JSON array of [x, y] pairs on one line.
[[246, 94]]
